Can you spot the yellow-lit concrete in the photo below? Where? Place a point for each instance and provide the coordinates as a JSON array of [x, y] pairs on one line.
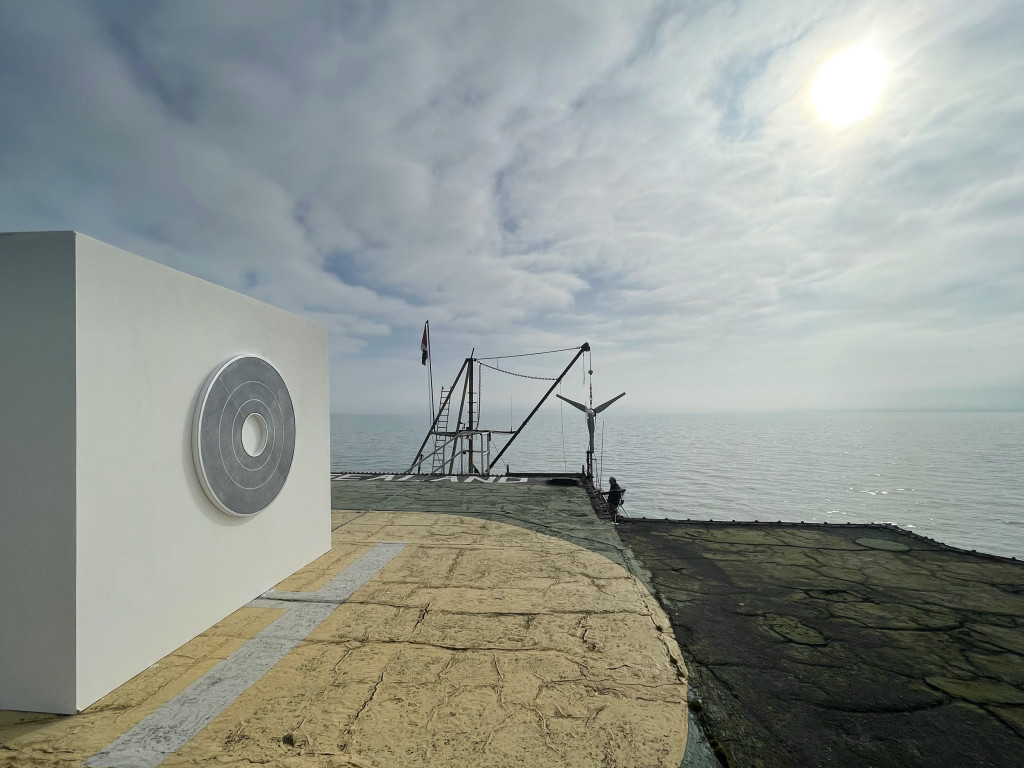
[[480, 644]]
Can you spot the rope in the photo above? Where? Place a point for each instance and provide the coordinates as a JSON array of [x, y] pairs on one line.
[[529, 354], [510, 373]]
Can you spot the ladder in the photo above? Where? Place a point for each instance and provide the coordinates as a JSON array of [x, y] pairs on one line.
[[437, 461], [479, 457]]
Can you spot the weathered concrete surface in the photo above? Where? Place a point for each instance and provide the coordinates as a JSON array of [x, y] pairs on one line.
[[554, 506], [843, 645], [557, 506], [480, 644]]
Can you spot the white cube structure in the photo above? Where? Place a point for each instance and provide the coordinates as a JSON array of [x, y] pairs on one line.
[[112, 554]]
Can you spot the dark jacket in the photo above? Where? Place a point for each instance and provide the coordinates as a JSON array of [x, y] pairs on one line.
[[615, 492]]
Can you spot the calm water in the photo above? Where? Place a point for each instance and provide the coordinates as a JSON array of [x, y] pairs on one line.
[[956, 477]]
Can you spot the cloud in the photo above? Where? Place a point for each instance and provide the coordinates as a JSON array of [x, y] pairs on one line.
[[650, 177]]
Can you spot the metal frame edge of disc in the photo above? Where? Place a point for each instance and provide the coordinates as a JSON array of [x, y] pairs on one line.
[[197, 418]]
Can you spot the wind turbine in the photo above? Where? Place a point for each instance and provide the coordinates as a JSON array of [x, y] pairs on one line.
[[591, 412]]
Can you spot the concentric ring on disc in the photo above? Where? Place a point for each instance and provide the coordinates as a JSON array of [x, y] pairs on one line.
[[236, 482]]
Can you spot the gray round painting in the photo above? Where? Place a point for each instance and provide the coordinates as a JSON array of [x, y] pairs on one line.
[[243, 435]]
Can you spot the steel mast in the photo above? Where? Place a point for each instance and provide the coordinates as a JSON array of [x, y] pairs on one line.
[[453, 441]]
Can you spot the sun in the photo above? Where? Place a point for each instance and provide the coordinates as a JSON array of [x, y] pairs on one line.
[[849, 85]]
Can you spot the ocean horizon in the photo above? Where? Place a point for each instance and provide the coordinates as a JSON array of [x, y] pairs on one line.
[[953, 476]]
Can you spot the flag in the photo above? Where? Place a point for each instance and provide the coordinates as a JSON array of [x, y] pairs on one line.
[[423, 345]]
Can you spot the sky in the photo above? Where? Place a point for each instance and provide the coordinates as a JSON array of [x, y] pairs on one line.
[[648, 177]]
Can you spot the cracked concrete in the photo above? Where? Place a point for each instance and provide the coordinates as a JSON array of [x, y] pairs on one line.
[[843, 645], [557, 506], [480, 644]]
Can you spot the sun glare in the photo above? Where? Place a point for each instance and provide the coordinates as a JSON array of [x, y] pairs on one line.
[[849, 85]]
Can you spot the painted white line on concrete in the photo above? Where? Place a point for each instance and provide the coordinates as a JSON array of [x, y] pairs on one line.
[[176, 722]]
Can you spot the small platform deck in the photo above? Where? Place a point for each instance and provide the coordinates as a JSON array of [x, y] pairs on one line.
[[502, 622]]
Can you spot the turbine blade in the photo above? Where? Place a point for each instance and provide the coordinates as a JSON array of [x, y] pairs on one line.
[[573, 402], [605, 405]]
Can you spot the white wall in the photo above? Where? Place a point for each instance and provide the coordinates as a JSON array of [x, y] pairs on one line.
[[111, 555], [157, 562], [37, 471]]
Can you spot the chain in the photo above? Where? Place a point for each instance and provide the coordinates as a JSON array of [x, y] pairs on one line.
[[510, 373]]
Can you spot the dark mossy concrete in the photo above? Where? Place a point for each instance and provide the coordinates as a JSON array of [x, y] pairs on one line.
[[554, 505], [843, 645]]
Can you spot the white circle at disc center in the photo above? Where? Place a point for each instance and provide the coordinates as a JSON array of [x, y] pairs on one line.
[[254, 434]]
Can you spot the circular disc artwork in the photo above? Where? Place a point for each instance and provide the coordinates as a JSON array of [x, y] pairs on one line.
[[243, 435]]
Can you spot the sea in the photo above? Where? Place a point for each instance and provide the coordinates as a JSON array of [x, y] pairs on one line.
[[954, 477]]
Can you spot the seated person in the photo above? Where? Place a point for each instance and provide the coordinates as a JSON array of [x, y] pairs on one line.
[[614, 493]]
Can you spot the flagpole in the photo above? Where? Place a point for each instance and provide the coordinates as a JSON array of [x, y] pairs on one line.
[[430, 372]]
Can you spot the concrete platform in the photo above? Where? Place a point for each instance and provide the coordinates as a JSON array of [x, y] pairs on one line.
[[476, 643], [813, 645]]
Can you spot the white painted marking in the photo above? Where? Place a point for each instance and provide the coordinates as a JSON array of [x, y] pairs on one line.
[[431, 479], [176, 722]]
